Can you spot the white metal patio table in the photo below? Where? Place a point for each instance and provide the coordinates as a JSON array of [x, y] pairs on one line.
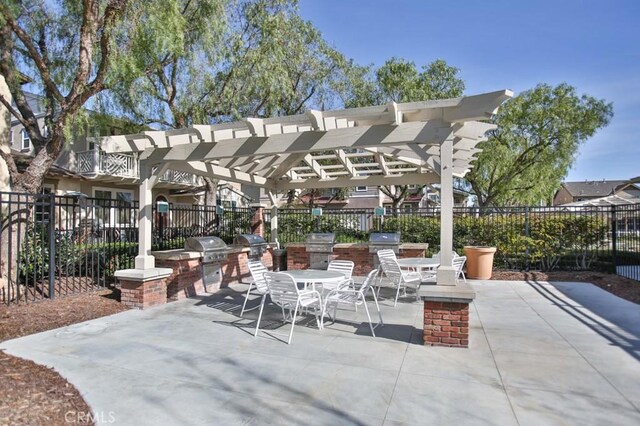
[[420, 264], [312, 276]]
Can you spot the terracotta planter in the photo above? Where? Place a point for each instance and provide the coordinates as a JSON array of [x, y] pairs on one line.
[[479, 262]]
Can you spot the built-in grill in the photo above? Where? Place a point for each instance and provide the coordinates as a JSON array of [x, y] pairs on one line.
[[384, 240], [319, 245], [214, 251], [257, 245]]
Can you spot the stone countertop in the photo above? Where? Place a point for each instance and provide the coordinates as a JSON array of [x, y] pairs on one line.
[[459, 293], [176, 254], [403, 246], [182, 254]]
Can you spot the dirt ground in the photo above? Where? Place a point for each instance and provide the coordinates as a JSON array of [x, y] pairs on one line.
[[33, 394], [620, 286]]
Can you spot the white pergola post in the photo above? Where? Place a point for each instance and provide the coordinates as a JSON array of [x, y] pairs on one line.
[[274, 216], [446, 273], [148, 179]]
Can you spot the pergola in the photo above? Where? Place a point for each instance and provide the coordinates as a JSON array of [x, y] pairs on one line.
[[394, 144]]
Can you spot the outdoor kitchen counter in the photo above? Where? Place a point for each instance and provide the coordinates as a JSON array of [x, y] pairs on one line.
[[404, 246], [182, 254], [176, 254]]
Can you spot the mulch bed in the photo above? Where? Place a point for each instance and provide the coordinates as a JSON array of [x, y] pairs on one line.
[[625, 288], [34, 394]]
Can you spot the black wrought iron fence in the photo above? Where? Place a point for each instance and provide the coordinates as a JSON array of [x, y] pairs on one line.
[[54, 245], [57, 245], [171, 228], [547, 238]]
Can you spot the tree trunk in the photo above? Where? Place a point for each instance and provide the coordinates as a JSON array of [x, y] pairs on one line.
[[17, 213]]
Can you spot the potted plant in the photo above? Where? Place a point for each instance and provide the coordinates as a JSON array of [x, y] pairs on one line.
[[479, 261]]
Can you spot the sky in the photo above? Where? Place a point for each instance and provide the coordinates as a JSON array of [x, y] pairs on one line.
[[593, 45]]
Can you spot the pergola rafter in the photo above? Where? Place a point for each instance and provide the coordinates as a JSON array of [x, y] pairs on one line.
[[392, 144]]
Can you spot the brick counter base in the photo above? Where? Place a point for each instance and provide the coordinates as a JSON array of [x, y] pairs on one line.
[[143, 294], [446, 324], [186, 279]]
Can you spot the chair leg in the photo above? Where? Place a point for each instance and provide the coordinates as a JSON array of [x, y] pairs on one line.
[[293, 322], [244, 305], [377, 307], [318, 320], [397, 295], [264, 296], [464, 277], [373, 333]]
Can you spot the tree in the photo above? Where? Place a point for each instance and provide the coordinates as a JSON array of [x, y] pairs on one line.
[[399, 80], [67, 49], [538, 135], [262, 60], [72, 52]]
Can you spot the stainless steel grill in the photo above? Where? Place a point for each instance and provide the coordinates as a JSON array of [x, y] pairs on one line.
[[320, 242], [213, 249], [320, 246], [384, 240], [257, 245]]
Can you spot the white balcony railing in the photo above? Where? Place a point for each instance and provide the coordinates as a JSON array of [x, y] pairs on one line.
[[99, 163]]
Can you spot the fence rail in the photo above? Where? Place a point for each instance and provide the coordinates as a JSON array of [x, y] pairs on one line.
[[54, 245], [599, 238]]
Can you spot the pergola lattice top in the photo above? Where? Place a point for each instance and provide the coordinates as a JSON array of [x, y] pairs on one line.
[[379, 145]]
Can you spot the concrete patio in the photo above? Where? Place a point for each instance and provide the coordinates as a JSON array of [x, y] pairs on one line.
[[540, 353]]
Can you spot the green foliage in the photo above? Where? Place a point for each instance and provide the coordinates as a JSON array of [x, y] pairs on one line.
[[399, 80], [538, 136], [295, 226], [98, 260]]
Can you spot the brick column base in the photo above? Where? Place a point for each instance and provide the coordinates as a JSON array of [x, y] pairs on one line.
[[143, 294], [446, 324]]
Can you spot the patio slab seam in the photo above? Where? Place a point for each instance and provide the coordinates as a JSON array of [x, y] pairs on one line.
[[484, 335]]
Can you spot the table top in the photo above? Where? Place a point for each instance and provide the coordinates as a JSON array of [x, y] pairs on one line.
[[312, 275], [418, 262]]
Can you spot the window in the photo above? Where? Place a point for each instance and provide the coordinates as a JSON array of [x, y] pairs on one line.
[[408, 208], [43, 208], [26, 142], [361, 188], [113, 206]]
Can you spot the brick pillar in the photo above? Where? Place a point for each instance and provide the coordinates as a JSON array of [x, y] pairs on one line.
[[143, 294], [446, 324], [257, 223], [143, 288]]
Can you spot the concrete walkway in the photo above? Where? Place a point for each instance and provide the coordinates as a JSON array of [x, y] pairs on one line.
[[566, 353]]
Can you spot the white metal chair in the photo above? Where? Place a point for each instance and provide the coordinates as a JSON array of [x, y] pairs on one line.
[[284, 292], [399, 277], [342, 266], [457, 263], [386, 253], [344, 295], [257, 270]]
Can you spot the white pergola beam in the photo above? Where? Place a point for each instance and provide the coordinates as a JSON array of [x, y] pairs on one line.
[[302, 143], [341, 182]]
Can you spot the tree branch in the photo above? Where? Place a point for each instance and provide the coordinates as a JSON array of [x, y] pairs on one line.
[[13, 112], [33, 54]]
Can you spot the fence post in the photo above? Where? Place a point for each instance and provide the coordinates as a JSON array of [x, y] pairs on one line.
[[52, 246], [614, 238], [527, 266]]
